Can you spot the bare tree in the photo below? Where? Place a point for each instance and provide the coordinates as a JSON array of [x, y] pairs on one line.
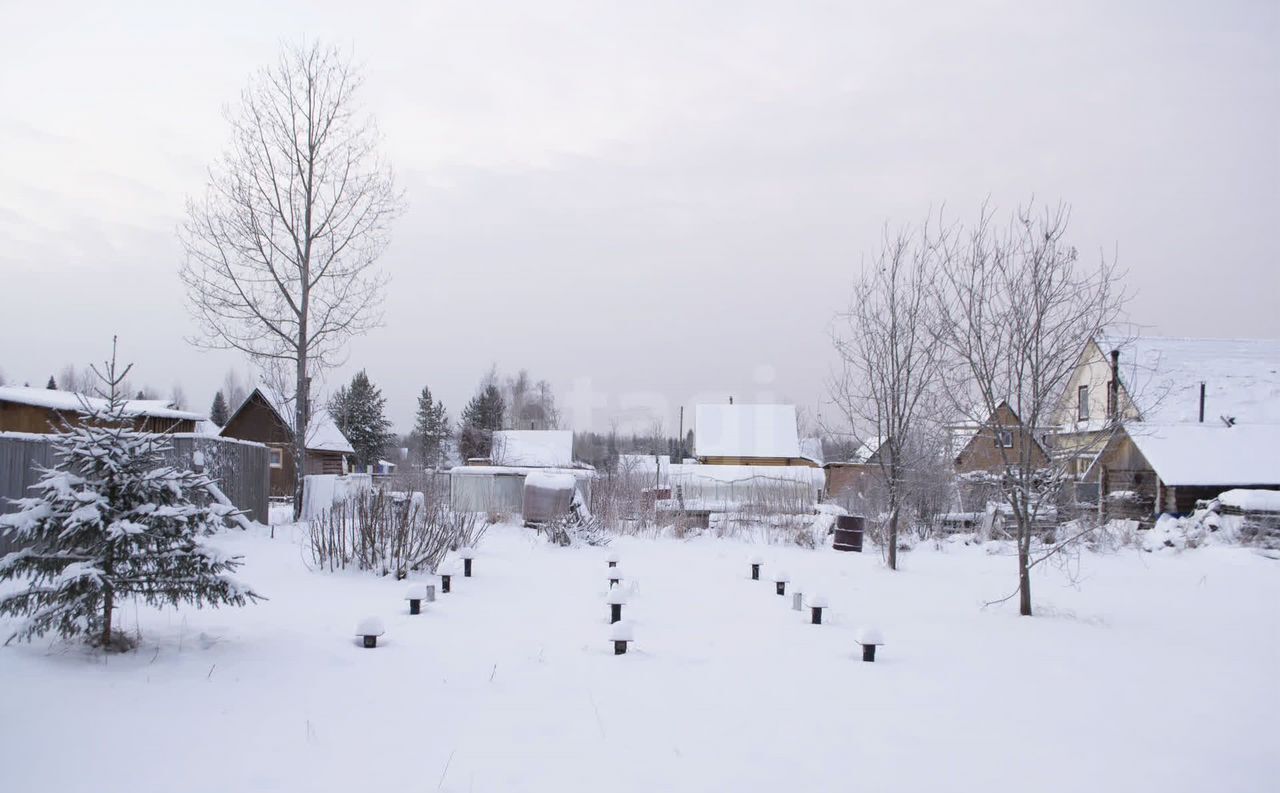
[[234, 390], [890, 359], [1018, 307], [178, 397], [78, 380], [281, 249]]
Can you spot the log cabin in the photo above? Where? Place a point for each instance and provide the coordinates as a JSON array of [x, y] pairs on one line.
[[262, 416]]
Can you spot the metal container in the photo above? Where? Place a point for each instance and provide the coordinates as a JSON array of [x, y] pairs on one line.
[[849, 530]]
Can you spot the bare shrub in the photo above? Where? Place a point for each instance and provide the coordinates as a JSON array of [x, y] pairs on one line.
[[623, 500], [390, 533]]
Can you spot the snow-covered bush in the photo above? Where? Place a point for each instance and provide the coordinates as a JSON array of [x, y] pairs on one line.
[[1205, 526], [579, 527], [112, 521]]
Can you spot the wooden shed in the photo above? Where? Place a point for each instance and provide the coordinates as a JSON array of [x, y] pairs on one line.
[[45, 410], [1149, 469], [261, 418]]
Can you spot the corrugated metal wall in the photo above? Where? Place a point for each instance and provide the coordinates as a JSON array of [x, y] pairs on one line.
[[472, 491], [488, 493], [241, 469]]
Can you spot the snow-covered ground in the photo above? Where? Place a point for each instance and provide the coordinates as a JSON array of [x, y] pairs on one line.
[[1157, 673]]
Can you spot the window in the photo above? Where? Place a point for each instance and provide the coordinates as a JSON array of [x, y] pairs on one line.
[[277, 457], [1082, 403], [1004, 438]]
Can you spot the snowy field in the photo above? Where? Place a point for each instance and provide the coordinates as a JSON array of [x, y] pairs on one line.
[[1156, 673]]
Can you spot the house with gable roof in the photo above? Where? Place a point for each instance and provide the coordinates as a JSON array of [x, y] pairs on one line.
[[1160, 423], [265, 416]]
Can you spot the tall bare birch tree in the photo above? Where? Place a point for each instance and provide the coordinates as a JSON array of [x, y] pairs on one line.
[[1017, 307], [281, 248], [890, 359]]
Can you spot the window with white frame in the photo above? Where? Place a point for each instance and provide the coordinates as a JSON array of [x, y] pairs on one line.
[[1004, 438], [277, 457], [1082, 403]]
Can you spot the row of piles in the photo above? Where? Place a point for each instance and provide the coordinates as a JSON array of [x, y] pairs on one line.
[[371, 628], [868, 638]]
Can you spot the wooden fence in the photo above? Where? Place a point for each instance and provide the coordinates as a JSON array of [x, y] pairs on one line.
[[240, 468]]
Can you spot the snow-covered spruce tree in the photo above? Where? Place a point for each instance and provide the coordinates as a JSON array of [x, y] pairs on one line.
[[480, 419], [359, 410], [111, 521], [218, 411], [430, 429]]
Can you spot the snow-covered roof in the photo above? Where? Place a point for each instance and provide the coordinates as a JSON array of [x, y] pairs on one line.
[[52, 399], [323, 434], [1210, 453], [516, 470], [533, 448], [207, 427], [746, 431], [1252, 500], [1162, 375], [811, 449]]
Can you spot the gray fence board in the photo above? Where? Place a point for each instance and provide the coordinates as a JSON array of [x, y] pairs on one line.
[[241, 469]]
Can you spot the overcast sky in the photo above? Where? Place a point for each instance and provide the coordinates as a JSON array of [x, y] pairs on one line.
[[646, 203]]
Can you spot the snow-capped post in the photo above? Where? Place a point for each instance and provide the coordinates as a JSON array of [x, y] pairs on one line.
[[616, 599], [621, 635], [870, 639], [797, 601], [756, 561], [780, 582], [816, 604], [416, 594], [370, 628], [612, 559], [615, 576], [467, 555], [445, 577], [430, 593]]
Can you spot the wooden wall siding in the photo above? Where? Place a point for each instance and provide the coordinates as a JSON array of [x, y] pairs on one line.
[[257, 421], [982, 454], [800, 461], [240, 470], [16, 417]]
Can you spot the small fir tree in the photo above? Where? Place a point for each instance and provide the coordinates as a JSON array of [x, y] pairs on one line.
[[52, 385], [111, 521], [218, 412]]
